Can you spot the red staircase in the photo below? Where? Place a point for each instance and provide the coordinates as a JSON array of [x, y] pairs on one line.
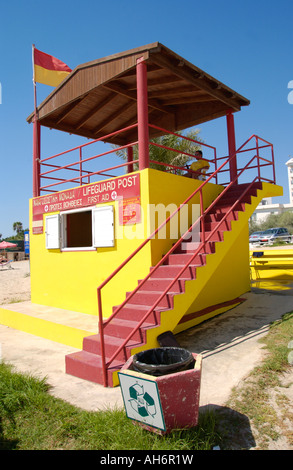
[[186, 258]]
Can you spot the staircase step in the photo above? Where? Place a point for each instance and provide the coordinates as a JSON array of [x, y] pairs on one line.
[[217, 236], [222, 226], [183, 258], [137, 312], [88, 366], [121, 328], [239, 189], [167, 271], [187, 247], [153, 284], [92, 344], [231, 198], [209, 226], [218, 215], [148, 298], [226, 206]]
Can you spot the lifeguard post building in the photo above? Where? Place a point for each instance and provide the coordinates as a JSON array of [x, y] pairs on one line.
[[93, 249]]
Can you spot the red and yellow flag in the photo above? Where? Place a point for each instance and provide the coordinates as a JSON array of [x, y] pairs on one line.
[[47, 69]]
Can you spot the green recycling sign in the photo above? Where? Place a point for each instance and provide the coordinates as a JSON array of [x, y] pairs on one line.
[[142, 400]]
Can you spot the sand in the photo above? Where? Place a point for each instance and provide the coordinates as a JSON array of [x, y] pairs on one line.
[[15, 284]]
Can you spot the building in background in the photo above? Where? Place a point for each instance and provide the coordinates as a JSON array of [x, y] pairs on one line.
[[266, 208]]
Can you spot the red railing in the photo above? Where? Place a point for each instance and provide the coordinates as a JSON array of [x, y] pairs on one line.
[[82, 173], [56, 173], [103, 323], [269, 161]]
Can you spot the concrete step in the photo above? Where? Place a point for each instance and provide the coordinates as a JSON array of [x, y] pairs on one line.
[[157, 284], [168, 271], [92, 344], [88, 366], [148, 298], [183, 258], [62, 326], [121, 328], [137, 312]]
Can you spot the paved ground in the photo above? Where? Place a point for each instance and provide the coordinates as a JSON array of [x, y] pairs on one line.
[[228, 343]]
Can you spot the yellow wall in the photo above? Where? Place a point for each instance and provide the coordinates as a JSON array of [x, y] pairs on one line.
[[69, 279], [170, 191], [276, 264], [228, 277]]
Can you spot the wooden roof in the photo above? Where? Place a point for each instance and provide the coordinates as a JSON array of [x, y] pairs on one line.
[[99, 97]]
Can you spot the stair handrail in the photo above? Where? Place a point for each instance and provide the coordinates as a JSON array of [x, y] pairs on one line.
[[103, 323], [199, 189], [152, 308]]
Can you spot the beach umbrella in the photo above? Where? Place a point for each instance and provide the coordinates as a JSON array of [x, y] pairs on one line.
[[4, 245]]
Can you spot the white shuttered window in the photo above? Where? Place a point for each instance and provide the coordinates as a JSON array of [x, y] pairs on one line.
[[52, 231], [84, 229], [103, 226]]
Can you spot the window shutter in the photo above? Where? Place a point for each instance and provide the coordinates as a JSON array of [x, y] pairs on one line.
[[103, 226], [52, 231]]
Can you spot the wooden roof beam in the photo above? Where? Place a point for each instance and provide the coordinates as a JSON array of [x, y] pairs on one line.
[[118, 88], [93, 111], [152, 68], [154, 82], [70, 108], [198, 81], [114, 116], [175, 91], [189, 100]]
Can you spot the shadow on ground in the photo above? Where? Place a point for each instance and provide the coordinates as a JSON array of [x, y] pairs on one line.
[[233, 427]]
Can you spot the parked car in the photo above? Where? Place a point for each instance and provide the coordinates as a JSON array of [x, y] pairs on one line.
[[272, 235], [254, 237]]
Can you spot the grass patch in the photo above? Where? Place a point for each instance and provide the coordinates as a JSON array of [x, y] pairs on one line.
[[254, 398], [32, 419]]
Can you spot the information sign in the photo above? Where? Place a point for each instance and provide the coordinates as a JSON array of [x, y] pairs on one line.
[[120, 188], [142, 400]]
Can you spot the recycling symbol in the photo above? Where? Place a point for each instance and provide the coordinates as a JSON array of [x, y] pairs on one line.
[[141, 402]]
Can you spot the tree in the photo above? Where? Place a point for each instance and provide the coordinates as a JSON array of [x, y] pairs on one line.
[[17, 226], [176, 157], [273, 220]]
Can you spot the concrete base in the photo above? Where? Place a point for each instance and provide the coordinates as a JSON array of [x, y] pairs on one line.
[[62, 326]]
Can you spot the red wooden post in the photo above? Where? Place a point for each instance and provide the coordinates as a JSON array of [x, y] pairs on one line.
[[36, 156], [142, 114], [129, 159], [231, 145]]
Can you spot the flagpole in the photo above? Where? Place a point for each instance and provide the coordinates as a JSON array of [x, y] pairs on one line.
[[34, 81], [36, 137]]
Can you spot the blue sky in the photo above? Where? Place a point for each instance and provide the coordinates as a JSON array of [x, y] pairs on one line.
[[245, 44]]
